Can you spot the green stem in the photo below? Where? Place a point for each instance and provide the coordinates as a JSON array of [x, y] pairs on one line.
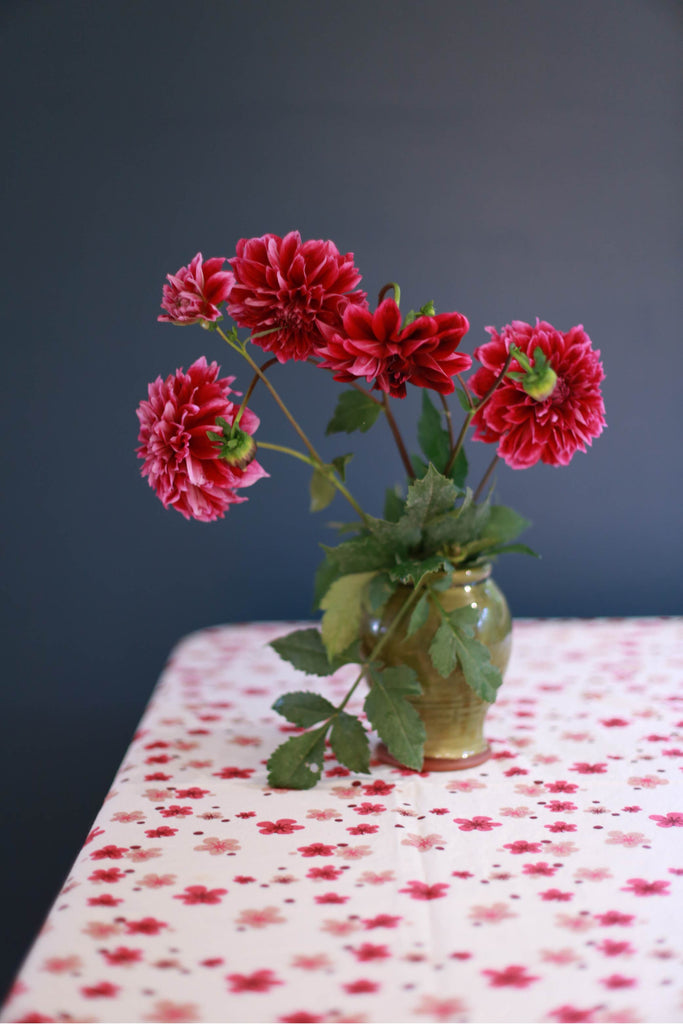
[[405, 458], [485, 478], [321, 467], [449, 419], [397, 293], [472, 413], [250, 391]]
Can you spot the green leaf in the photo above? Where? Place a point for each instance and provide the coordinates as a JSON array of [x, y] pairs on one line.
[[394, 718], [414, 571], [304, 649], [350, 742], [298, 763], [363, 554], [355, 411], [380, 589], [393, 505], [431, 435], [481, 674], [396, 537], [420, 467], [340, 463], [431, 496], [325, 575], [343, 608], [465, 619], [504, 524], [464, 401], [513, 549], [322, 491], [419, 615], [459, 470], [304, 708], [442, 650]]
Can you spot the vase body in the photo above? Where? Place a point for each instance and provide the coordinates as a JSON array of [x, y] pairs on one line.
[[452, 713]]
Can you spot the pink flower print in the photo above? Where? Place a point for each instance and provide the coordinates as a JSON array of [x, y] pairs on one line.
[[233, 772], [145, 926], [612, 723], [106, 875], [462, 874], [122, 956], [646, 781], [541, 868], [367, 808], [561, 826], [559, 956], [611, 948], [127, 816], [572, 1015], [33, 1017], [157, 795], [200, 894], [330, 897], [175, 811], [422, 891], [674, 819], [362, 830], [522, 846], [370, 951], [618, 981], [382, 921], [438, 810], [376, 877], [529, 788], [325, 815], [440, 1009], [639, 887], [153, 881], [353, 852], [480, 823], [104, 900], [560, 806], [336, 772], [378, 788], [464, 785], [557, 895], [589, 769], [593, 874], [514, 976], [103, 990], [299, 1017], [326, 873], [515, 812], [563, 849], [138, 854], [101, 929], [216, 846], [110, 852], [193, 793], [673, 752], [93, 834], [561, 787], [257, 981], [260, 918], [316, 962], [316, 850], [165, 1011], [491, 914], [361, 987], [283, 827], [574, 923], [344, 792], [339, 927], [422, 842], [515, 770], [162, 832], [612, 917], [617, 838], [63, 964]]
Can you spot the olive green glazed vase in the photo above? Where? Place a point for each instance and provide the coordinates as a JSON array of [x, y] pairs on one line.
[[452, 713]]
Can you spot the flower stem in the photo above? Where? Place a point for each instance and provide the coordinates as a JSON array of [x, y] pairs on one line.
[[324, 468], [250, 390], [385, 289], [449, 419], [485, 479], [405, 458], [472, 413]]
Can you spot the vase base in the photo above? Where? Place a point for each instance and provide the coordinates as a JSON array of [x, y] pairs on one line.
[[436, 764]]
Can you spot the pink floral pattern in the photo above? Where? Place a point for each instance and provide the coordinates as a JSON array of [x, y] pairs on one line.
[[542, 885]]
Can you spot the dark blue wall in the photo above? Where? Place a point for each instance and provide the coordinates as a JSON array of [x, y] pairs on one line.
[[505, 159]]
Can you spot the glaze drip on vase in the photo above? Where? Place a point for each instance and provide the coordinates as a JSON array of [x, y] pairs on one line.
[[453, 714]]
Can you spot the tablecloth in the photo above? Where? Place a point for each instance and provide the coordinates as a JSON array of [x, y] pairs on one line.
[[543, 885]]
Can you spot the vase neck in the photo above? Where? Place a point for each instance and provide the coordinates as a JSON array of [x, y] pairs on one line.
[[477, 574]]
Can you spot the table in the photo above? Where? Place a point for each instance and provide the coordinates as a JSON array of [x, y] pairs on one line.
[[543, 885]]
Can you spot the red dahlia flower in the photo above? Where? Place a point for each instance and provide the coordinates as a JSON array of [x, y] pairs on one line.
[[194, 292], [181, 463], [373, 345], [291, 288], [553, 429]]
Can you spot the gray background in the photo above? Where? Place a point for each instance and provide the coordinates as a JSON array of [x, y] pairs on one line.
[[506, 159]]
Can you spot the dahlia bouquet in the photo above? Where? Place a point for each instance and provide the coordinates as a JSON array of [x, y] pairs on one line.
[[532, 393]]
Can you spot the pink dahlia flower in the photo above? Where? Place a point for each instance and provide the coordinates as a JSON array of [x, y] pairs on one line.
[[374, 346], [553, 429], [181, 463], [291, 288], [195, 292]]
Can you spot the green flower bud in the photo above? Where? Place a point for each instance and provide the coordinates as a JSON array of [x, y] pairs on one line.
[[538, 378], [237, 448]]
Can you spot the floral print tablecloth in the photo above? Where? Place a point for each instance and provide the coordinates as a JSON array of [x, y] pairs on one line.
[[544, 885]]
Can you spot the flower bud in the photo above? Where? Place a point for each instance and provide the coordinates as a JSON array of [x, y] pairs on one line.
[[540, 384], [237, 448]]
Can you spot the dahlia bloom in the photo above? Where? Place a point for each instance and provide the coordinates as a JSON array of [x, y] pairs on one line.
[[554, 428], [291, 288], [181, 463], [374, 346], [195, 292]]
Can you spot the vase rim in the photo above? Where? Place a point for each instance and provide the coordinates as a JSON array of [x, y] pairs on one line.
[[475, 574]]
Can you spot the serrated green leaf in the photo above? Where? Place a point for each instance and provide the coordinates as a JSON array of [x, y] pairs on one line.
[[380, 589], [325, 575], [397, 537], [355, 411], [465, 618], [340, 462], [420, 467], [393, 505], [442, 650], [480, 673], [298, 763], [363, 554], [431, 435], [414, 570], [504, 524], [419, 615], [431, 496], [350, 742], [322, 491], [304, 649], [343, 607], [514, 549], [394, 718], [304, 708]]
